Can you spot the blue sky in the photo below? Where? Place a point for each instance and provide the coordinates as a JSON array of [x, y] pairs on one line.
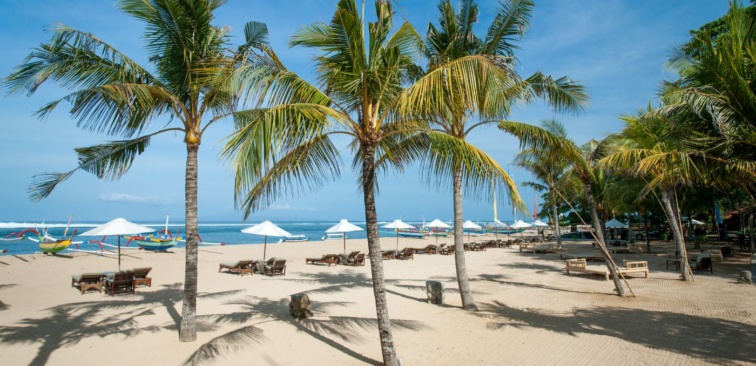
[[616, 48]]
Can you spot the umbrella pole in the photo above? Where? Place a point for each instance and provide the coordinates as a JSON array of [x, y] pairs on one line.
[[119, 253], [397, 240], [344, 243], [265, 247]]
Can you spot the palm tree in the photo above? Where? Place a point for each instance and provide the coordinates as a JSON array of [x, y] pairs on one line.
[[190, 84], [288, 145], [582, 162], [654, 149], [450, 156], [716, 93], [547, 168]]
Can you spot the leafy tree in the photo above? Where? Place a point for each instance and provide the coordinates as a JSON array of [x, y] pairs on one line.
[[452, 117], [548, 168], [191, 83], [583, 167]]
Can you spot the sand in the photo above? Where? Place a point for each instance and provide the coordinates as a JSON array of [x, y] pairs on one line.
[[531, 312]]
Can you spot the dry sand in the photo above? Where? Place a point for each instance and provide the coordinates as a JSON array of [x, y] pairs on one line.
[[531, 312]]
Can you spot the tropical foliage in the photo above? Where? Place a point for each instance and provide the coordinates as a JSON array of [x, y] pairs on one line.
[[191, 83]]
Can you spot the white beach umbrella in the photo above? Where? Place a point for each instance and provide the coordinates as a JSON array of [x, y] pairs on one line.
[[498, 224], [519, 224], [539, 223], [436, 224], [614, 223], [266, 229], [118, 227], [396, 225], [696, 222], [344, 227], [469, 225]]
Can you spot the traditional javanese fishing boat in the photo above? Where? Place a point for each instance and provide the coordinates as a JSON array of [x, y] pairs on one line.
[[299, 237], [410, 234], [154, 243], [48, 244], [329, 236]]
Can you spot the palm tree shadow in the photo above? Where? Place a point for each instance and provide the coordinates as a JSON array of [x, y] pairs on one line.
[[716, 340], [334, 331], [500, 280], [68, 324]]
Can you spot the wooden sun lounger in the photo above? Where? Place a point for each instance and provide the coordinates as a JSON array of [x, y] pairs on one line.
[[87, 281], [140, 276], [328, 259], [240, 267], [119, 282]]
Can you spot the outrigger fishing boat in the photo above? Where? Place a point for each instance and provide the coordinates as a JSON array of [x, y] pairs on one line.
[[54, 246], [329, 236], [410, 234], [156, 243], [299, 237]]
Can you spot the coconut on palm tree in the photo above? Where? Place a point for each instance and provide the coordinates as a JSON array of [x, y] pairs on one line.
[[188, 86]]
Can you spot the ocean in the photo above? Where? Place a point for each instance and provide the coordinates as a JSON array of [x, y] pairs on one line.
[[211, 233]]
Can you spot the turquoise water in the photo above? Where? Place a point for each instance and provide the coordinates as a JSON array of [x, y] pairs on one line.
[[210, 233]]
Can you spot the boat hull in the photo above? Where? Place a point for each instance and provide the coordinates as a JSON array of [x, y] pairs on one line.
[[54, 247], [156, 245], [411, 235]]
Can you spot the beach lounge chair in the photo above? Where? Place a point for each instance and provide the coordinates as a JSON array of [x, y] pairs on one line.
[[359, 260], [447, 250], [389, 254], [119, 282], [276, 268], [429, 249], [406, 253], [328, 259], [140, 276], [87, 281], [241, 267]]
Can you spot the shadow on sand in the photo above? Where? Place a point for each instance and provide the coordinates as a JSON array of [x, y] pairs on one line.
[[66, 325], [680, 333]]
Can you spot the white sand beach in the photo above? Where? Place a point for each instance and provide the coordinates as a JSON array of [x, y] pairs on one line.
[[531, 312]]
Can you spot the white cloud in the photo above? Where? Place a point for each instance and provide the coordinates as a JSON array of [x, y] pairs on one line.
[[288, 207], [124, 197]]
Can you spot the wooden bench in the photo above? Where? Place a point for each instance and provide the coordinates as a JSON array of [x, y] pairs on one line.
[[579, 265], [634, 267], [631, 267]]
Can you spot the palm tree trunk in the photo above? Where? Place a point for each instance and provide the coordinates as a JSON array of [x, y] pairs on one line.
[[750, 226], [645, 228], [376, 258], [188, 328], [674, 223], [601, 243], [555, 216], [468, 302]]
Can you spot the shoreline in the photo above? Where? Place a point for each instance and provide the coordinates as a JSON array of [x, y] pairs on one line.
[[532, 313]]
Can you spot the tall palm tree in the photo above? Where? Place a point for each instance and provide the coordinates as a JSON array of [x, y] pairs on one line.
[[548, 168], [582, 162], [452, 119], [288, 145], [189, 87]]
